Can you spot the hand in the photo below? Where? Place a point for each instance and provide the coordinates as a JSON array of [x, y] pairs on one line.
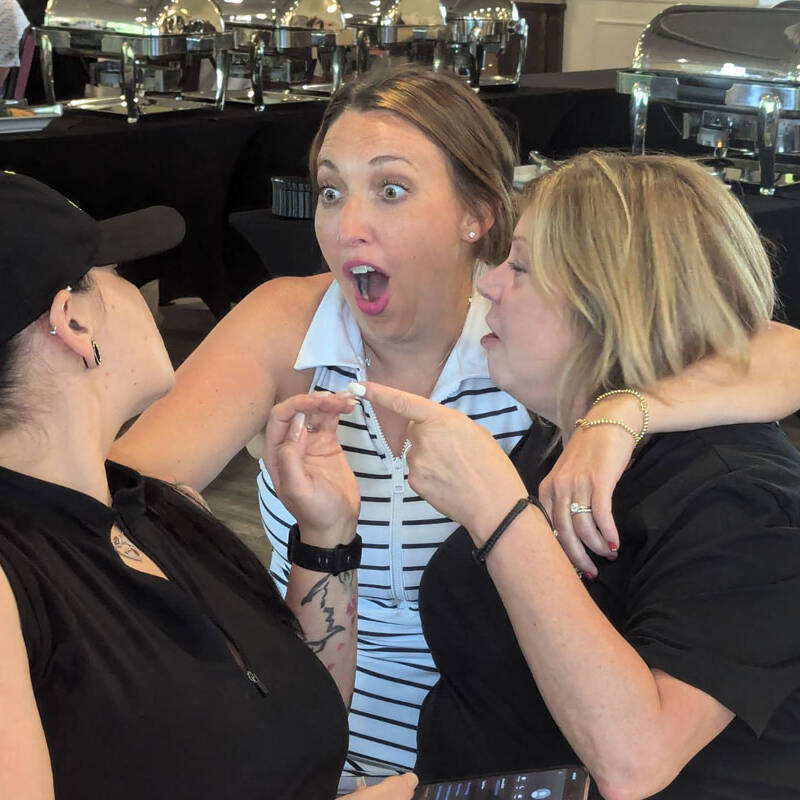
[[308, 468], [398, 787], [587, 472], [454, 463]]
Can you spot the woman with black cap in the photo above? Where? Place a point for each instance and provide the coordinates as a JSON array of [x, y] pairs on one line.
[[144, 652]]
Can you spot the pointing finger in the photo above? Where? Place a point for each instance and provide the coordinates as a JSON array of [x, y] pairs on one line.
[[411, 406]]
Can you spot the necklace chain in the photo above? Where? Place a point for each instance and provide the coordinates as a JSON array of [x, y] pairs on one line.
[[368, 358]]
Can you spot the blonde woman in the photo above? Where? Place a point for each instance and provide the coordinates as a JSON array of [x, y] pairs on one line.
[[414, 177], [676, 671]]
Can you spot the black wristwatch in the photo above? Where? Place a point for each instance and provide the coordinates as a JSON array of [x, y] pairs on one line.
[[341, 558]]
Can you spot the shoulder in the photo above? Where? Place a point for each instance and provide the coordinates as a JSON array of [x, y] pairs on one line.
[[291, 302], [729, 494], [26, 589], [750, 456]]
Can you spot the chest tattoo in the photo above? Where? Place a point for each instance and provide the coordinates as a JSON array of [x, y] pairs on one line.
[[126, 548]]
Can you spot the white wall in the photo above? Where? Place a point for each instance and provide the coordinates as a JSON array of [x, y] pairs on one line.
[[601, 34]]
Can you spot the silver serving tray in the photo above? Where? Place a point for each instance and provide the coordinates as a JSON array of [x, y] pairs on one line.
[[32, 118], [149, 104], [270, 98]]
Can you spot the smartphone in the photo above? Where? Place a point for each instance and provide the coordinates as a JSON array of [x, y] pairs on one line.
[[561, 783]]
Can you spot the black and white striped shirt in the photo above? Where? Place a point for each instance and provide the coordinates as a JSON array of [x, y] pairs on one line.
[[400, 531]]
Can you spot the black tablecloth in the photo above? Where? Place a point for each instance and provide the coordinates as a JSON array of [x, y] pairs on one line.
[[778, 219], [208, 164]]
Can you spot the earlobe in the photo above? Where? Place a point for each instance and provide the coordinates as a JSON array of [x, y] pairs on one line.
[[67, 324], [476, 222]]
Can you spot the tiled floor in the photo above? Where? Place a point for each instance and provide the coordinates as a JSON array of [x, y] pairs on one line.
[[232, 495]]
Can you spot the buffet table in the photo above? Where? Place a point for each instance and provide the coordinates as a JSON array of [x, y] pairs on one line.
[[208, 164]]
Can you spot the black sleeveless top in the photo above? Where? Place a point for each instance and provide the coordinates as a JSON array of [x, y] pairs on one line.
[[706, 588], [138, 691]]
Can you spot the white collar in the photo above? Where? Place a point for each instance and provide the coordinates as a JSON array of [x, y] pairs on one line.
[[334, 339]]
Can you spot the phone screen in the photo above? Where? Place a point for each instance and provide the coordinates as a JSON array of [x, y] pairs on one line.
[[552, 784]]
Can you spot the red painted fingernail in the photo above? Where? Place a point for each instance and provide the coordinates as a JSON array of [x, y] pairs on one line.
[[613, 546]]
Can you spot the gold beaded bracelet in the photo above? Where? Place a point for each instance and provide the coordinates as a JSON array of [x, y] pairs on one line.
[[586, 423]]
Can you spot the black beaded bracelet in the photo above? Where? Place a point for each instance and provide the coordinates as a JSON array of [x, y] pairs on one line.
[[480, 554]]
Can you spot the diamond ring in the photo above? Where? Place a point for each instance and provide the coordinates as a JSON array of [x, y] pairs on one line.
[[577, 508]]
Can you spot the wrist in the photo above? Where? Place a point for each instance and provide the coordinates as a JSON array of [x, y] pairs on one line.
[[614, 408], [624, 407], [333, 560], [332, 535], [485, 522], [480, 554]]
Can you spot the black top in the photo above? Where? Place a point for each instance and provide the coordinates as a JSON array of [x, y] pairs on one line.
[[706, 588], [138, 690]]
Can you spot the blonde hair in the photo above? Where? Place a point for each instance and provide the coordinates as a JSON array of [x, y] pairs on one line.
[[657, 262], [478, 151]]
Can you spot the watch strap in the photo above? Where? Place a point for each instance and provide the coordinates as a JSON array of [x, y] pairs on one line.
[[334, 560]]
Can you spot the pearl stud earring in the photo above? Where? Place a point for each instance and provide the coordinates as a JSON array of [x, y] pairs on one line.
[[471, 234]]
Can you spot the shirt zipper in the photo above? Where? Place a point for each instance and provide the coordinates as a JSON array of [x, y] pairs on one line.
[[395, 508]]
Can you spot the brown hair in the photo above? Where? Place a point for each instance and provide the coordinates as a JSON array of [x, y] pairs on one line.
[[479, 153], [657, 262]]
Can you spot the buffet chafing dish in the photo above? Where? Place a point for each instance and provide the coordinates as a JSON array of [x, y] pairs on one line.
[[475, 30], [151, 43], [734, 76], [415, 29], [394, 31], [279, 43]]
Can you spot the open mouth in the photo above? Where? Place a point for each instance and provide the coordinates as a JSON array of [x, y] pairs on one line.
[[371, 285]]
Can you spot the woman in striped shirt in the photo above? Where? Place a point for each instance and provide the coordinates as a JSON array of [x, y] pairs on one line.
[[414, 177]]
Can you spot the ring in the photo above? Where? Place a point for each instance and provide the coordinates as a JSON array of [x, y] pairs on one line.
[[577, 508], [311, 429]]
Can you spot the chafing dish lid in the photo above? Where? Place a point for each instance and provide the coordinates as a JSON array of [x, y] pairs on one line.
[[417, 13], [316, 15], [484, 10], [136, 17], [733, 42], [361, 12]]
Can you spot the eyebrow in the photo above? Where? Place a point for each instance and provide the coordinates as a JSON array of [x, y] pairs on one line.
[[373, 162]]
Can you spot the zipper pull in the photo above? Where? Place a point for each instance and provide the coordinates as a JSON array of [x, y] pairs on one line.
[[398, 475], [256, 681]]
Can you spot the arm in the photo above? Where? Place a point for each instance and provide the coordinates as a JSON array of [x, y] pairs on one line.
[[316, 484], [711, 392], [225, 389], [25, 772], [634, 728]]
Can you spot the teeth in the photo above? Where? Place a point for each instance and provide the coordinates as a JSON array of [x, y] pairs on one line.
[[361, 269]]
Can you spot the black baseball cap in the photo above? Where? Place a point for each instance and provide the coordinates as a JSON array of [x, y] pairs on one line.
[[47, 243]]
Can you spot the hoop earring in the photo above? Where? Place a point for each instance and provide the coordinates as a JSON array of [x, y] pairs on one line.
[[96, 353]]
